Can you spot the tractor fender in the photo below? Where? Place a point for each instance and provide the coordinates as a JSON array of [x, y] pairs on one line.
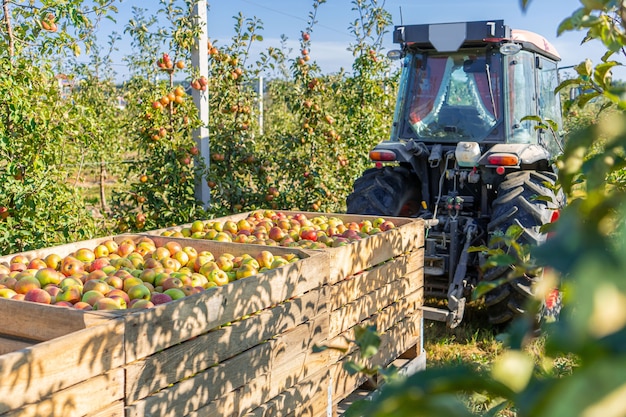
[[528, 154]]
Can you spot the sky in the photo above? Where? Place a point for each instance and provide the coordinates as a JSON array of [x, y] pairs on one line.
[[331, 36]]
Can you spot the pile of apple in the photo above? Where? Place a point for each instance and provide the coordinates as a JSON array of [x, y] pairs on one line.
[[134, 273], [276, 228]]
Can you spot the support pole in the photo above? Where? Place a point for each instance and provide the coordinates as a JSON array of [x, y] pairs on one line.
[[200, 61], [261, 105]]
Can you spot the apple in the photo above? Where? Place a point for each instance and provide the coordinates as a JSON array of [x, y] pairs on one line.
[[190, 290], [131, 282], [48, 276], [107, 303], [36, 263], [139, 291], [278, 262], [172, 282], [71, 294], [91, 297], [7, 293], [71, 266], [101, 251], [230, 226], [81, 305], [246, 270], [224, 263], [85, 255], [119, 293], [99, 285], [265, 258], [38, 295], [175, 293], [160, 298], [386, 225], [218, 276], [25, 284], [276, 234], [140, 303]]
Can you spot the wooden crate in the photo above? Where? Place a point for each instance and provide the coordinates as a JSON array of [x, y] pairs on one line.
[[192, 352]]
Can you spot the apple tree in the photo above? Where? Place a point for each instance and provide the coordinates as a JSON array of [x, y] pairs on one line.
[[159, 185], [39, 203]]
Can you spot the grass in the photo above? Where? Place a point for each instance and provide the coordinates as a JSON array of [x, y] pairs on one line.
[[475, 343]]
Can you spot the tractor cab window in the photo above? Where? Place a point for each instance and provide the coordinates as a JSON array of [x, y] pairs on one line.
[[454, 97], [549, 104], [522, 97]]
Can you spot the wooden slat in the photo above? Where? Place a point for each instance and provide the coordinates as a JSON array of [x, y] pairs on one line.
[[193, 393], [11, 345], [310, 394], [382, 321], [394, 342], [353, 313], [114, 410], [157, 371], [30, 375], [42, 322], [85, 398], [349, 290], [246, 380]]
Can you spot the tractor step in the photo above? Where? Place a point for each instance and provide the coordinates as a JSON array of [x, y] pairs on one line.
[[434, 265]]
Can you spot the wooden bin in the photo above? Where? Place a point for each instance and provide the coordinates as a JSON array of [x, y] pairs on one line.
[[203, 354], [375, 281]]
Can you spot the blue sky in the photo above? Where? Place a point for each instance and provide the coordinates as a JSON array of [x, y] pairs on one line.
[[331, 35]]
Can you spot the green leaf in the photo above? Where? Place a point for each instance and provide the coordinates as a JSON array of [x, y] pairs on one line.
[[484, 287]]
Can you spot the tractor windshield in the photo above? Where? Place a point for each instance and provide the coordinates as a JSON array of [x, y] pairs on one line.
[[451, 97]]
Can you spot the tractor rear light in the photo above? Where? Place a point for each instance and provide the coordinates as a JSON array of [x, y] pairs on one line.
[[381, 155], [505, 159], [500, 170], [467, 154], [555, 216]]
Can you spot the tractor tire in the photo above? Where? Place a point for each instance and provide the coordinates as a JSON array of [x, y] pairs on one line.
[[387, 191], [516, 204]]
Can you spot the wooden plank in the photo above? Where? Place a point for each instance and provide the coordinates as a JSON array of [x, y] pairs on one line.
[[42, 322], [311, 393], [192, 393], [228, 405], [8, 344], [32, 374], [355, 286], [168, 324], [114, 410], [353, 313], [85, 398], [244, 381], [382, 321], [157, 371]]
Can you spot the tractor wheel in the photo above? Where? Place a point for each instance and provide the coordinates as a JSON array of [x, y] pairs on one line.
[[516, 204], [387, 191]]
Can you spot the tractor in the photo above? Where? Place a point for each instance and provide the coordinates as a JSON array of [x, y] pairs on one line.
[[471, 151]]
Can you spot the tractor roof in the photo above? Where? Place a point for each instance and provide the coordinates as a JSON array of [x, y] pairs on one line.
[[449, 37]]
